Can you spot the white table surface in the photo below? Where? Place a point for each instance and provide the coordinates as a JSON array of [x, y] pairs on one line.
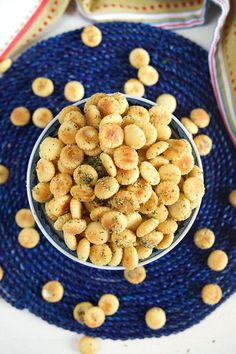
[[24, 333]]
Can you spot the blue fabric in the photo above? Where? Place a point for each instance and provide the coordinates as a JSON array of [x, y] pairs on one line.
[[174, 282]]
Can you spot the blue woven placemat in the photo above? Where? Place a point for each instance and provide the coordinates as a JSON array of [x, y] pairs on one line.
[[174, 282]]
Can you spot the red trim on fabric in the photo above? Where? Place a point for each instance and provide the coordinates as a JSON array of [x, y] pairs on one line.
[[25, 28], [181, 24], [151, 7], [217, 96]]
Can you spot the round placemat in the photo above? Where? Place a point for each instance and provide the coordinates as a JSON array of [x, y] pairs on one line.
[[173, 282]]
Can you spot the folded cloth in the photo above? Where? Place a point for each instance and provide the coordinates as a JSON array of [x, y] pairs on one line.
[[170, 14]]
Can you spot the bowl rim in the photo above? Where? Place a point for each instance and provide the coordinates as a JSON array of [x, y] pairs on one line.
[[72, 257]]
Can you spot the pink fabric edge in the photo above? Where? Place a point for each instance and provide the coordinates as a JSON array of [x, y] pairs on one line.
[[212, 63]]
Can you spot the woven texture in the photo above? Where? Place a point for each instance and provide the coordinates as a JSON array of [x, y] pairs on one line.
[[174, 282]]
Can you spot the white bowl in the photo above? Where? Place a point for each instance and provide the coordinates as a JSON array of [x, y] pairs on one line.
[[55, 237]]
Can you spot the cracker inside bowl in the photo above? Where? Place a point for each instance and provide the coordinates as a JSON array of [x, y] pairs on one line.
[[108, 184]]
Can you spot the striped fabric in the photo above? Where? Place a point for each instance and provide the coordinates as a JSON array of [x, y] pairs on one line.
[[222, 63], [40, 15], [171, 14]]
